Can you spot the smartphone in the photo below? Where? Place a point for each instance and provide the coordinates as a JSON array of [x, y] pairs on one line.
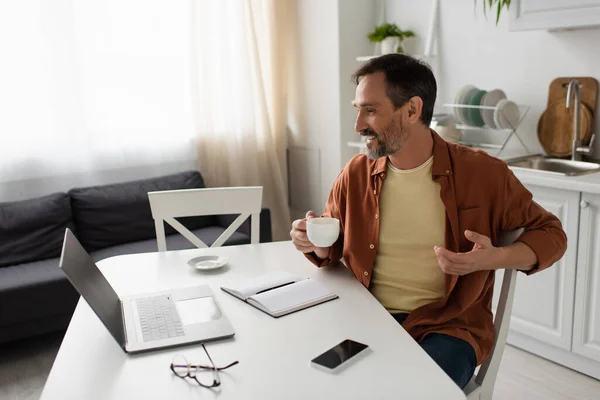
[[339, 355]]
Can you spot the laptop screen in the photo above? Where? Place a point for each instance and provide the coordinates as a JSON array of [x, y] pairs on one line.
[[87, 279]]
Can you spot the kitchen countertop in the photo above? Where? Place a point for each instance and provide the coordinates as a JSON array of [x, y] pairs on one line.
[[589, 183]]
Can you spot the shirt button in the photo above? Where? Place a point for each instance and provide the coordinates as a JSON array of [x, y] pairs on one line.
[[447, 171], [376, 215], [374, 191], [366, 273], [372, 246]]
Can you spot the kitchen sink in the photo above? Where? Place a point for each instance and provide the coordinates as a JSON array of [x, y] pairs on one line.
[[556, 166]]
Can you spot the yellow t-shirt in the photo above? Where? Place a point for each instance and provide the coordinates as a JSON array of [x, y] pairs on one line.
[[406, 274]]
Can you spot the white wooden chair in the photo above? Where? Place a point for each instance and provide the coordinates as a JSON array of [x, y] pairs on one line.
[[481, 386], [170, 204]]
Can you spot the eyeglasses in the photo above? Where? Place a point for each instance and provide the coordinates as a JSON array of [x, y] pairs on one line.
[[183, 369]]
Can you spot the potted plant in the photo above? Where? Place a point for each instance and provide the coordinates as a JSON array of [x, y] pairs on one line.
[[390, 37]]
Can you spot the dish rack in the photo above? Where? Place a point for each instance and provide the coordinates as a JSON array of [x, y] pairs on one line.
[[472, 135]]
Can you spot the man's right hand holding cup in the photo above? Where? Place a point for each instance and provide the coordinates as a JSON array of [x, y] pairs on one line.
[[300, 238]]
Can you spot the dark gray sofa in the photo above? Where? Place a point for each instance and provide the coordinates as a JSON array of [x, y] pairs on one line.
[[109, 220]]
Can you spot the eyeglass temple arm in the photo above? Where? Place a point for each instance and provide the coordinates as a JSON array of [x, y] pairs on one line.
[[204, 366]]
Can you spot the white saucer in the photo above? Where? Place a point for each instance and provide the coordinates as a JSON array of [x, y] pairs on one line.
[[208, 262]]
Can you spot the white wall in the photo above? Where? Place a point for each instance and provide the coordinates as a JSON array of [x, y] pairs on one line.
[[473, 50], [329, 35], [313, 103], [356, 19]]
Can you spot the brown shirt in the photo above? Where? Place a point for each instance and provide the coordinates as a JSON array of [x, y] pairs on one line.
[[480, 193]]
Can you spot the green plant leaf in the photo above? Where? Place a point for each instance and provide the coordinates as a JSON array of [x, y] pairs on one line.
[[499, 4], [498, 12]]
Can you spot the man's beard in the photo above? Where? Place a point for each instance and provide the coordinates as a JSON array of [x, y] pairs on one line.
[[395, 136]]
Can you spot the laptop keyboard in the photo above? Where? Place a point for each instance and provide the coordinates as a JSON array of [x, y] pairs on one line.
[[159, 318]]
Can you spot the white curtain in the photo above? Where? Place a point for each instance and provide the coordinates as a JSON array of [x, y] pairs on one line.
[[93, 85], [240, 98]]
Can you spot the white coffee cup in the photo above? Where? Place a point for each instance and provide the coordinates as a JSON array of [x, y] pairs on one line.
[[323, 232]]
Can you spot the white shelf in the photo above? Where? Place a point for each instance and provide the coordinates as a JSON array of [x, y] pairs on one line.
[[480, 128], [367, 58], [358, 145], [364, 58]]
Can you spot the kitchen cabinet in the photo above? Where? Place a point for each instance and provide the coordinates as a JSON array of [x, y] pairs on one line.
[[556, 312], [586, 332], [554, 14], [543, 305]]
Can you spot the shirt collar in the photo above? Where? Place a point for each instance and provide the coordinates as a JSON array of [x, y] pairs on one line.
[[441, 158]]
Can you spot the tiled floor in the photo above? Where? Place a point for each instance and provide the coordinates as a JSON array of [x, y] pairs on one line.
[[24, 367], [525, 376]]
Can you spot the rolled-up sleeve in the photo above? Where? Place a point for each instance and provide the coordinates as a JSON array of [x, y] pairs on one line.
[[543, 230]]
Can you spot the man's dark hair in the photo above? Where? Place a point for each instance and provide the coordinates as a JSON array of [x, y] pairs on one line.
[[405, 77]]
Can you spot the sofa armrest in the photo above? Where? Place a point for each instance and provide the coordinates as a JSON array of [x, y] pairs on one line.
[[266, 234]]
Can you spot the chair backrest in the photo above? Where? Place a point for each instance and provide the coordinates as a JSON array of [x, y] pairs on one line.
[[489, 369], [171, 204]]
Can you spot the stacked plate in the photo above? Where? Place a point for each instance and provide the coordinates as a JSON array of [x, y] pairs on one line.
[[505, 114]]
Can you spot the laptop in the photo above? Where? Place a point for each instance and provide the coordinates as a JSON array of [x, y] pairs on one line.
[[146, 321]]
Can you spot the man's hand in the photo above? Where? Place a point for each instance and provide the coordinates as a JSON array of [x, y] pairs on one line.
[[483, 256], [300, 239]]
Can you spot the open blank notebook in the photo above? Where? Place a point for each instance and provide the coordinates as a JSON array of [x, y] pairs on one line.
[[280, 293]]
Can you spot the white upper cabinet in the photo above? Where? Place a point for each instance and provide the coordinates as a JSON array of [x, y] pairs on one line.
[[554, 14]]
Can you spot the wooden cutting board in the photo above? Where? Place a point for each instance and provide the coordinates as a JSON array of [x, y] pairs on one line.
[[555, 128], [588, 90]]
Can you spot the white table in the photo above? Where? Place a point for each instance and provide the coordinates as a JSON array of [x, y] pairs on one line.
[[274, 354]]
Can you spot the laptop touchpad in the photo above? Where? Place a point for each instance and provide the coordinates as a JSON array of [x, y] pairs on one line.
[[196, 311]]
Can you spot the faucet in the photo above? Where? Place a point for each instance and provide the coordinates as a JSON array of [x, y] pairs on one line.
[[577, 149]]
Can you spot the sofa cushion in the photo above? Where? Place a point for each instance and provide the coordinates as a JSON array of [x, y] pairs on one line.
[[34, 290], [174, 242], [111, 215], [36, 327], [32, 230]]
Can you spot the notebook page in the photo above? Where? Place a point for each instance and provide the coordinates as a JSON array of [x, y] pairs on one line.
[[262, 282], [286, 297]]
